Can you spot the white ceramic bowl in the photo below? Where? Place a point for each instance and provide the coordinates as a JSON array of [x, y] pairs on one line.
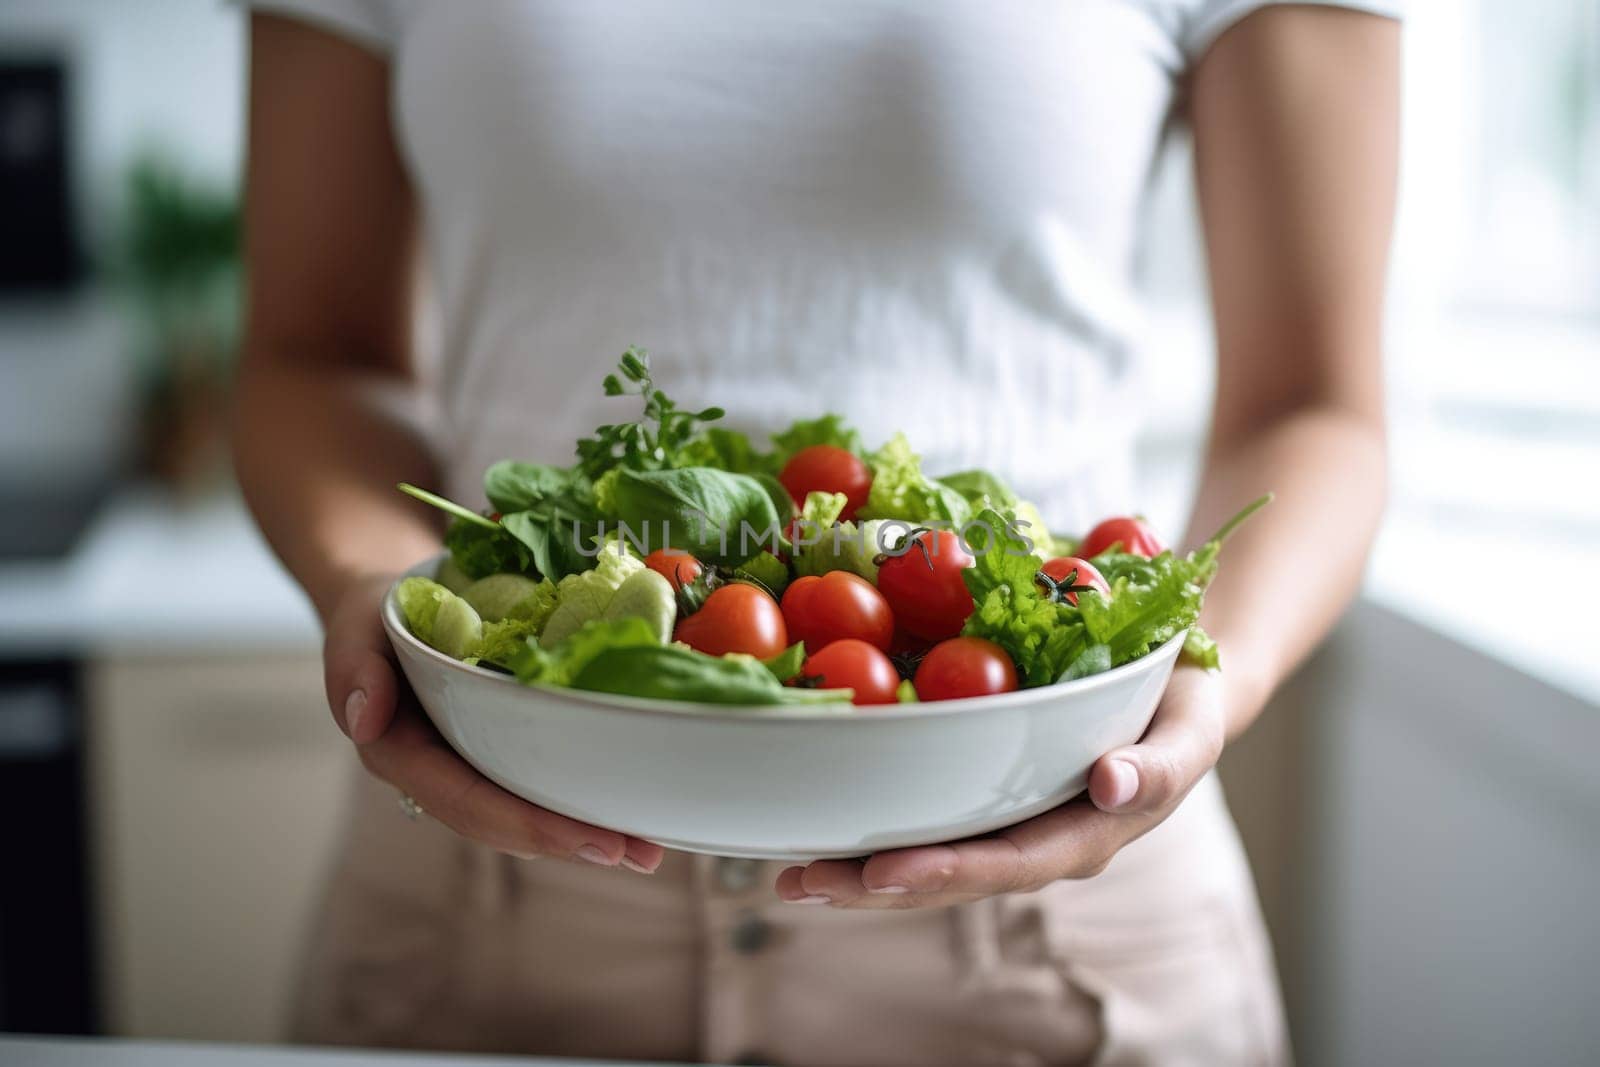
[[788, 782]]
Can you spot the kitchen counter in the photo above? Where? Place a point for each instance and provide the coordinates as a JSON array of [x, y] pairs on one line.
[[154, 574], [96, 1052]]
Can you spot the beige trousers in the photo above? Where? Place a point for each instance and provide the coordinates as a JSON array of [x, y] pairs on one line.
[[428, 941]]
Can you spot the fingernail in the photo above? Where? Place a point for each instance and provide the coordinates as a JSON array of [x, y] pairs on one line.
[[355, 706], [593, 855], [638, 867], [891, 888], [1124, 783], [813, 899]]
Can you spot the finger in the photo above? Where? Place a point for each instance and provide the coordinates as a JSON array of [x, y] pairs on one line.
[[1181, 745], [833, 880], [359, 676], [1072, 841], [788, 887], [643, 856], [412, 757]]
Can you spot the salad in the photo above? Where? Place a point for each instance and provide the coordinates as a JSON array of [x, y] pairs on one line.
[[678, 559]]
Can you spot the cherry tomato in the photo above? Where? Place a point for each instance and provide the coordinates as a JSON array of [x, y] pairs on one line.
[[924, 588], [1134, 535], [1062, 566], [836, 605], [850, 663], [737, 617], [827, 469], [677, 567], [964, 667]]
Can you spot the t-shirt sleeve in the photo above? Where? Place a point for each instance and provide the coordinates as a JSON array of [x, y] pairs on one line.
[[1204, 22], [373, 24]]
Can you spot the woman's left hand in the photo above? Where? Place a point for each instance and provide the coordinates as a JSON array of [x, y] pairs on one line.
[[1130, 791]]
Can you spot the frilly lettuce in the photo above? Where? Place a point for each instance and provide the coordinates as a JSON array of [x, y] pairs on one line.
[[827, 430], [826, 544], [512, 596], [901, 491], [439, 617], [646, 595], [585, 596], [557, 662]]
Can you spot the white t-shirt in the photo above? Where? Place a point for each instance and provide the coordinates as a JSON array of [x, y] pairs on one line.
[[919, 214]]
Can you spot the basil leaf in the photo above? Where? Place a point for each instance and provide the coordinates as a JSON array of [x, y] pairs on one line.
[[703, 511]]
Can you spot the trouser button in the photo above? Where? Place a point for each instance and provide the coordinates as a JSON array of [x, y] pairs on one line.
[[736, 875], [750, 934]]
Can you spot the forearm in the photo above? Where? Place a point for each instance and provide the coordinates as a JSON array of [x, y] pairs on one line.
[[318, 451], [1290, 571]]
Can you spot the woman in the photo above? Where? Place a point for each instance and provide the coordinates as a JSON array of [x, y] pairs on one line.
[[922, 216]]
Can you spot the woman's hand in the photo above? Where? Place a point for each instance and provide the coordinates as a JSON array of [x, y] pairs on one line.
[[396, 743], [1130, 791]]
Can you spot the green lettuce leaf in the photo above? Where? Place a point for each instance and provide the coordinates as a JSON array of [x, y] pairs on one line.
[[503, 641], [583, 597], [560, 662], [646, 595], [727, 450], [1201, 650], [786, 664], [901, 491], [825, 544], [419, 600], [767, 571], [511, 596], [981, 488], [479, 551], [827, 430], [1043, 638]]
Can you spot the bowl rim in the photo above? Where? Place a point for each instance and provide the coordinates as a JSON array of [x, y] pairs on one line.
[[400, 633]]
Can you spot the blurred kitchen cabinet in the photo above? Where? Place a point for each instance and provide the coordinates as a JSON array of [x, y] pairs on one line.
[[216, 787]]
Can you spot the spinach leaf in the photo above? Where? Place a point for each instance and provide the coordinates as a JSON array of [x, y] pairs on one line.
[[703, 511], [512, 485], [563, 660], [673, 673], [782, 502], [555, 533]]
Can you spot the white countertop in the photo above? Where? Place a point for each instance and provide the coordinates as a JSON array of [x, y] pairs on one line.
[[102, 1052], [156, 574]]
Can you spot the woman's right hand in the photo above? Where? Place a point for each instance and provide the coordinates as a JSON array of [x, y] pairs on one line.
[[397, 743]]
